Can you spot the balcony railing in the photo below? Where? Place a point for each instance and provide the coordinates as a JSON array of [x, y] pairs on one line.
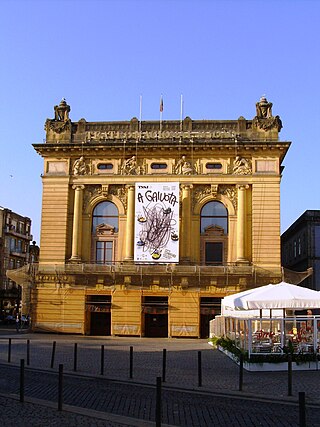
[[155, 269], [185, 275]]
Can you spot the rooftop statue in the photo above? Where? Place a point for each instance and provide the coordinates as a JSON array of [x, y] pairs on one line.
[[61, 122], [264, 119], [264, 108], [61, 111]]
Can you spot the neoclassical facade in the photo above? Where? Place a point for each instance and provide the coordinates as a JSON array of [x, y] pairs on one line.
[[106, 268]]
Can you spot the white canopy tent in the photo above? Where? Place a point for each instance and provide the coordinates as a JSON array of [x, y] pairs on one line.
[[257, 321], [280, 296]]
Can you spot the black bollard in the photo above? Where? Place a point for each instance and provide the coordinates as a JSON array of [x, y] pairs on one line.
[[164, 364], [53, 353], [60, 388], [199, 370], [289, 374], [131, 362], [102, 360], [75, 357], [9, 351], [21, 380], [302, 409], [158, 403], [28, 352], [240, 372]]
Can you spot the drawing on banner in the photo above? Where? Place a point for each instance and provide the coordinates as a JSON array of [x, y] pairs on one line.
[[157, 222]]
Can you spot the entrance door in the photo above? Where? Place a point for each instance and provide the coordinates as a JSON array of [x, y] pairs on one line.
[[100, 323], [209, 308], [98, 309], [155, 311], [156, 325]]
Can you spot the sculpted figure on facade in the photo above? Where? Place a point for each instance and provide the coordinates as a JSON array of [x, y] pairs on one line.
[[184, 167], [241, 166], [80, 167], [130, 167]]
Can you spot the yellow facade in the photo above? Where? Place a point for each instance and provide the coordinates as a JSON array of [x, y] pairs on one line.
[[229, 176]]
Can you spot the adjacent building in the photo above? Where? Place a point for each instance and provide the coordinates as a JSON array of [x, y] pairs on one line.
[[15, 239], [300, 247], [146, 225]]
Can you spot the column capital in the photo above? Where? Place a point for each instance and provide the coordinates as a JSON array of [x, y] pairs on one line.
[[130, 186], [186, 186], [78, 187], [242, 186]]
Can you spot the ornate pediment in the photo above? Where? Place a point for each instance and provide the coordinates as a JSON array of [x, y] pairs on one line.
[[104, 229], [214, 230]]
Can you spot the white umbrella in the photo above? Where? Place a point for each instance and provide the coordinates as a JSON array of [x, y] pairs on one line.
[[283, 295], [233, 301]]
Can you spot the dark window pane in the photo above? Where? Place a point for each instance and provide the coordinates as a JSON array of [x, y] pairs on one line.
[[213, 165], [214, 252], [104, 252], [159, 166], [104, 166]]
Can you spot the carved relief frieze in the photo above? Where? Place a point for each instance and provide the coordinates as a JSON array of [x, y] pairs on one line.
[[105, 189], [199, 192], [120, 192], [242, 166], [93, 191], [90, 192], [202, 191], [57, 127], [214, 190], [267, 123], [231, 193]]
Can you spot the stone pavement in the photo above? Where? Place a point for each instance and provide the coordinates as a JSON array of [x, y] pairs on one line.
[[219, 383]]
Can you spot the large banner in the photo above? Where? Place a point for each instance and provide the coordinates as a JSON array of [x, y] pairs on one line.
[[157, 222]]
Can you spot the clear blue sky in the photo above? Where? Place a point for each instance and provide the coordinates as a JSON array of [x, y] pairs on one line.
[[101, 55]]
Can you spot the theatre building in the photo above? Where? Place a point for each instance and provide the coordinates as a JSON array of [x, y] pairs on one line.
[[146, 225]]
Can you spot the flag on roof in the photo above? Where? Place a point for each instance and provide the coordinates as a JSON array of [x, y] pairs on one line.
[[161, 104]]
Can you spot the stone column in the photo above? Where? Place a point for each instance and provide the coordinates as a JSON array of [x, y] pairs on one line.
[[241, 223], [77, 223], [185, 232], [130, 224]]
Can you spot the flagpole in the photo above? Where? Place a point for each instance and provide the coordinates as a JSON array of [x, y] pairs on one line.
[[161, 111], [181, 111], [140, 116]]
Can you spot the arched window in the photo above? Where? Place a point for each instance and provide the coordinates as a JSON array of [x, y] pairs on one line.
[[105, 225], [214, 214], [105, 213], [214, 233]]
